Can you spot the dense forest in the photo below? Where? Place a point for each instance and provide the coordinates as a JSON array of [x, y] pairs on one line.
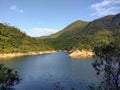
[[13, 40], [87, 35]]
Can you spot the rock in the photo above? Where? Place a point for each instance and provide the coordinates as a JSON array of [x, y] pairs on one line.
[[81, 54]]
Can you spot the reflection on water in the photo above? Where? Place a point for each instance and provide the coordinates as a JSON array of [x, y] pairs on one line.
[[42, 71]]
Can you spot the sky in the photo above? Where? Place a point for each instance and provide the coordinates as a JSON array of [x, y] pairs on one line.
[[44, 17]]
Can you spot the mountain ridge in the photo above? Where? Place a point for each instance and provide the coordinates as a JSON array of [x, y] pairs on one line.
[[55, 35], [70, 38]]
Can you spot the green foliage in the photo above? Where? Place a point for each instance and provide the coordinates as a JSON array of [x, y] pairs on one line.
[[8, 78], [110, 23], [107, 66], [12, 40], [84, 35], [67, 38]]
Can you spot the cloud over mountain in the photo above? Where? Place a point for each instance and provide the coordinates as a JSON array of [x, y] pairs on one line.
[[36, 32]]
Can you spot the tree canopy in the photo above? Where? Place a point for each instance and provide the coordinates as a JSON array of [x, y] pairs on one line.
[[8, 78], [13, 40]]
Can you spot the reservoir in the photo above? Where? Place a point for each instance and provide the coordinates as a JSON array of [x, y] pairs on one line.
[[41, 72]]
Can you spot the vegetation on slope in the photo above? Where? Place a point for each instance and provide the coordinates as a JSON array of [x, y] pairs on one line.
[[12, 40], [66, 39], [107, 66], [109, 23], [84, 35]]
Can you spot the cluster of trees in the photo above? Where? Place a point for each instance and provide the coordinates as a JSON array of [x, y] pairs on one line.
[[107, 66], [84, 41], [13, 40], [8, 78]]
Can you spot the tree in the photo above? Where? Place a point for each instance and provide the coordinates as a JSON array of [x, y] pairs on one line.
[[8, 78], [107, 66]]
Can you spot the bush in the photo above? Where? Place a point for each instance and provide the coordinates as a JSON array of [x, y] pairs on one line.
[[8, 78]]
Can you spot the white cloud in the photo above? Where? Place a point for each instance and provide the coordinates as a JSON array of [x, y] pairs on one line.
[[36, 32], [106, 7], [14, 8]]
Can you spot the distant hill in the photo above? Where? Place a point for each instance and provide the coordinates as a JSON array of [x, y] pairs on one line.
[[87, 35], [72, 28], [13, 40], [62, 39], [110, 23]]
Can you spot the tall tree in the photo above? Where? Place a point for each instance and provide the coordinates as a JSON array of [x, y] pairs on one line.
[[107, 66]]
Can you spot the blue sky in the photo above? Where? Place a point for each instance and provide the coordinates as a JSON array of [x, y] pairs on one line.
[[44, 17]]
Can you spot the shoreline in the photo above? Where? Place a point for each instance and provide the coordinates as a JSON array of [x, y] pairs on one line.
[[74, 54], [12, 55]]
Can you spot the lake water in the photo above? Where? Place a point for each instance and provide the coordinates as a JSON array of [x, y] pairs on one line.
[[41, 72]]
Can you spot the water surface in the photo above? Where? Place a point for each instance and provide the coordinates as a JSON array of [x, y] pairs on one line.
[[42, 71]]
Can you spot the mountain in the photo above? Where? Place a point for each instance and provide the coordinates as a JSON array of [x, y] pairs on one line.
[[62, 39], [87, 35], [13, 40], [72, 28], [110, 23]]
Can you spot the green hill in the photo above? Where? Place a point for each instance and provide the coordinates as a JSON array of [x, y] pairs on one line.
[[72, 28], [65, 39], [13, 40], [110, 23], [85, 35]]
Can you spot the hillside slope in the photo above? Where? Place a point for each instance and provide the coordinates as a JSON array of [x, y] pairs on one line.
[[110, 23], [85, 35], [70, 29], [65, 39], [13, 40]]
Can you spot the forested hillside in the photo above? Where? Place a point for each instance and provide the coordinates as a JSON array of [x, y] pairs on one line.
[[86, 35], [13, 40], [78, 35], [66, 39]]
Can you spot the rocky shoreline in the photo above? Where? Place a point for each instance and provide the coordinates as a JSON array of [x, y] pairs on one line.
[[12, 55], [81, 54], [74, 54]]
